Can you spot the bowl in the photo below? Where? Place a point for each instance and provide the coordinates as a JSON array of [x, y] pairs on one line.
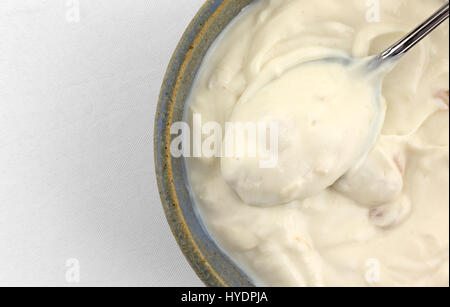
[[210, 263]]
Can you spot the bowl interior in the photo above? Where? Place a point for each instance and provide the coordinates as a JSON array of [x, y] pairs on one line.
[[208, 261]]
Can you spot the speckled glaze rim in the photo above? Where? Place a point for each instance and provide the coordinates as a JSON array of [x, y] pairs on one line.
[[210, 264]]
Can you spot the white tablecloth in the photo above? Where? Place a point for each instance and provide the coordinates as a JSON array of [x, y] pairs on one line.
[[79, 82]]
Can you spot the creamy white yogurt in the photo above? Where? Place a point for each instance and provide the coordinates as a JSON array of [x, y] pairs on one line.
[[328, 116], [338, 216]]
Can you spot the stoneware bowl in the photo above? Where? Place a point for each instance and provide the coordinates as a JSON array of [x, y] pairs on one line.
[[212, 266]]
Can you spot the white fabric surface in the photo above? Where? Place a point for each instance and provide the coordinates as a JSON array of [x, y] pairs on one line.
[[77, 105]]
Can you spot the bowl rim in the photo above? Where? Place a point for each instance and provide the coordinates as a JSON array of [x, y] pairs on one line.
[[162, 158]]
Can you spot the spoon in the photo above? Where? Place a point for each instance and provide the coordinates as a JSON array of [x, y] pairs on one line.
[[396, 51], [314, 159], [383, 63], [379, 65]]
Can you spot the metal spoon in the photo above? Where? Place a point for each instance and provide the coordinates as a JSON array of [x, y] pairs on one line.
[[376, 67], [371, 69], [396, 51]]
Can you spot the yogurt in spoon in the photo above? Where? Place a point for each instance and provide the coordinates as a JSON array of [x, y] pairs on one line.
[[329, 115]]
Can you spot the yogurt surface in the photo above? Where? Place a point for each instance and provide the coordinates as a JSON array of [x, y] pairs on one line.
[[342, 207], [328, 116]]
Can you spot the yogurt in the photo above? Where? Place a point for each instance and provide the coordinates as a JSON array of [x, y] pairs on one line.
[[328, 116], [358, 197]]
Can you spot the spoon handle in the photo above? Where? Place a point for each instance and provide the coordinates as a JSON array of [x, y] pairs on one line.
[[411, 39]]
